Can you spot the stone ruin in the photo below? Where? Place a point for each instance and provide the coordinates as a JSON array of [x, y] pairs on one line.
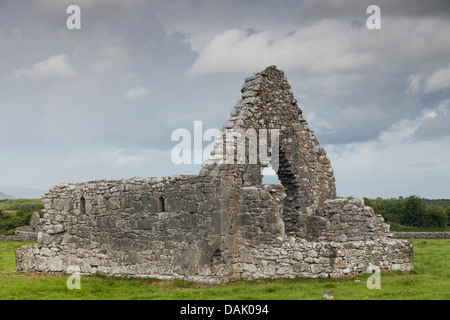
[[223, 224], [30, 231]]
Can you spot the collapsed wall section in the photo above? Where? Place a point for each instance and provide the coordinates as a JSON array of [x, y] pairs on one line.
[[342, 220]]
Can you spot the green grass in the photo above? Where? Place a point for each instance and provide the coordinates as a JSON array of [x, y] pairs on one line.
[[429, 280]]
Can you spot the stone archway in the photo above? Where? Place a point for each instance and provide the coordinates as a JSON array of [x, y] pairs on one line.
[[268, 107]]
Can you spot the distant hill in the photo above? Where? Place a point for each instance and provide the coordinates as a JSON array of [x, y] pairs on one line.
[[4, 196], [21, 192]]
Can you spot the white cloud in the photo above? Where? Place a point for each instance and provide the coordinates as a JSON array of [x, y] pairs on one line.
[[400, 131], [422, 83], [414, 84], [319, 124], [322, 48], [330, 47], [405, 129], [440, 79], [394, 164], [57, 66], [372, 169], [137, 92], [429, 114]]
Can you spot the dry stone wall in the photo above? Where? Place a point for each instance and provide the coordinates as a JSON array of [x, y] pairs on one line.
[[342, 220], [292, 257], [222, 224], [22, 237], [422, 235]]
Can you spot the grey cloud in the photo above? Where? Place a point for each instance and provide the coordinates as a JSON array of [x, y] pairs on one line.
[[111, 54], [435, 128], [84, 127], [311, 11], [360, 110]]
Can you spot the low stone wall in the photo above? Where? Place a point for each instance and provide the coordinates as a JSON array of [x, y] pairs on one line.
[[421, 235], [288, 257], [23, 237], [285, 257]]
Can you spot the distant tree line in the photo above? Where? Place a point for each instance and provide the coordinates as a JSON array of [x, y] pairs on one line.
[[412, 212], [21, 204], [403, 214]]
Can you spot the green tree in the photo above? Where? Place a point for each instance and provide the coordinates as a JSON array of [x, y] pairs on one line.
[[413, 212], [448, 215], [435, 217]]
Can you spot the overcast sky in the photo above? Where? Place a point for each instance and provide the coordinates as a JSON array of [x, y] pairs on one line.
[[102, 102]]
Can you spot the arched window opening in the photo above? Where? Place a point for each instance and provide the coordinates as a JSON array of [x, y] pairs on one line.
[[82, 206], [161, 204]]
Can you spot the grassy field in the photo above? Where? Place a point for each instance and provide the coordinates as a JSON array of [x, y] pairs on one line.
[[429, 280]]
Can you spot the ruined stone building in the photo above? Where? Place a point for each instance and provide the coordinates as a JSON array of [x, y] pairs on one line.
[[222, 224]]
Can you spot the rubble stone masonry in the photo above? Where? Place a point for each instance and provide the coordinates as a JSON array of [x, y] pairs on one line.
[[222, 224]]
